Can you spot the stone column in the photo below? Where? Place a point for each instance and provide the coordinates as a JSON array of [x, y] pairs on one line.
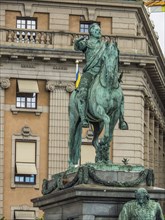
[[151, 140], [162, 158], [4, 84], [156, 154], [163, 155], [58, 126], [146, 133]]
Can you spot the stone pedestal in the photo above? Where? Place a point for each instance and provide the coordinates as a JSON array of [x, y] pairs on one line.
[[94, 191], [89, 202]]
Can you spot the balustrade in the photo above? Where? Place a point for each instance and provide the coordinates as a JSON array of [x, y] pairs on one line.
[[59, 39], [29, 36]]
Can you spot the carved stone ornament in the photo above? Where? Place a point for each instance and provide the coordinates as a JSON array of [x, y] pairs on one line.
[[70, 87], [5, 83], [91, 14], [53, 85], [50, 86], [26, 131], [94, 172], [24, 207]]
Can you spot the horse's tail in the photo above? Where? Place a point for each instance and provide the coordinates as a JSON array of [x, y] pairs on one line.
[[75, 130]]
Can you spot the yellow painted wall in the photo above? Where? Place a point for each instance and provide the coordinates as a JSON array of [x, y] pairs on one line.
[[13, 125], [10, 18]]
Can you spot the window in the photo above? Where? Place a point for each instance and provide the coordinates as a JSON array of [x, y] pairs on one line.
[[26, 23], [26, 95], [25, 162], [84, 26], [24, 215]]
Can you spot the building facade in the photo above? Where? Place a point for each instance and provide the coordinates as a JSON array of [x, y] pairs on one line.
[[37, 75]]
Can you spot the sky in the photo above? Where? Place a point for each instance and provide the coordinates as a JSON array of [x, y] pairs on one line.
[[159, 21]]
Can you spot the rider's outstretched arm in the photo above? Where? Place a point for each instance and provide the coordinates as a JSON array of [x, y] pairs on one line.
[[80, 44]]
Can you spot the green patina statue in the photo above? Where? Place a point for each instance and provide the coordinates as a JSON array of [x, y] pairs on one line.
[[99, 98], [142, 208]]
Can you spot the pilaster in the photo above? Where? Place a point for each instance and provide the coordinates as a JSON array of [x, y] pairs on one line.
[[58, 126], [4, 84]]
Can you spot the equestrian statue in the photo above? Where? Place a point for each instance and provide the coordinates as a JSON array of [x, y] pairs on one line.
[[99, 98]]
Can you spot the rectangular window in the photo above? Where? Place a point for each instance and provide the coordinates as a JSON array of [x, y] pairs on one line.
[[25, 162], [24, 215], [84, 26], [26, 94], [26, 23]]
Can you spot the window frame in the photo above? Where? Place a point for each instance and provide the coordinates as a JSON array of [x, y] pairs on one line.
[[26, 100], [24, 176], [87, 23], [22, 137], [15, 218], [26, 19], [24, 208]]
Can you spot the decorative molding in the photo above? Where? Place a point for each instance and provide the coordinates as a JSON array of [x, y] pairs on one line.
[[26, 131], [53, 85], [5, 83], [91, 14], [154, 113], [87, 173], [70, 87], [27, 65], [60, 67], [28, 9]]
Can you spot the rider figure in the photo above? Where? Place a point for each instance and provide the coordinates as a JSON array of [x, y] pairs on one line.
[[93, 49]]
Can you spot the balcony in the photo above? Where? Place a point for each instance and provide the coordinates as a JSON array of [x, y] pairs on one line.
[[64, 40]]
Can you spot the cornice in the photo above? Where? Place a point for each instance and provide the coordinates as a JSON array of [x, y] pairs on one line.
[[151, 34], [130, 3]]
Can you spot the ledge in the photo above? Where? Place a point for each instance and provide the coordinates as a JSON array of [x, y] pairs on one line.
[[37, 111]]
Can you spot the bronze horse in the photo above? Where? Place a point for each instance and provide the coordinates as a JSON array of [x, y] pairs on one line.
[[105, 106]]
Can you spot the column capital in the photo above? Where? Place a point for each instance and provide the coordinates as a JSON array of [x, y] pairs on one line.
[[53, 85], [5, 83]]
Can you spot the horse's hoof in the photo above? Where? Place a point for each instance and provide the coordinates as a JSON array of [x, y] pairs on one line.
[[85, 124], [123, 125]]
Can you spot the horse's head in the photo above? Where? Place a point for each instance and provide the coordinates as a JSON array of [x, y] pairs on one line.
[[112, 49], [109, 70]]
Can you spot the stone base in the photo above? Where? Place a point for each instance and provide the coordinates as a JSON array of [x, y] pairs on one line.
[[101, 174], [94, 191], [89, 202]]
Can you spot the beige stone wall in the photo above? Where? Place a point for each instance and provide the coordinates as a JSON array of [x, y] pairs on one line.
[[130, 144]]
